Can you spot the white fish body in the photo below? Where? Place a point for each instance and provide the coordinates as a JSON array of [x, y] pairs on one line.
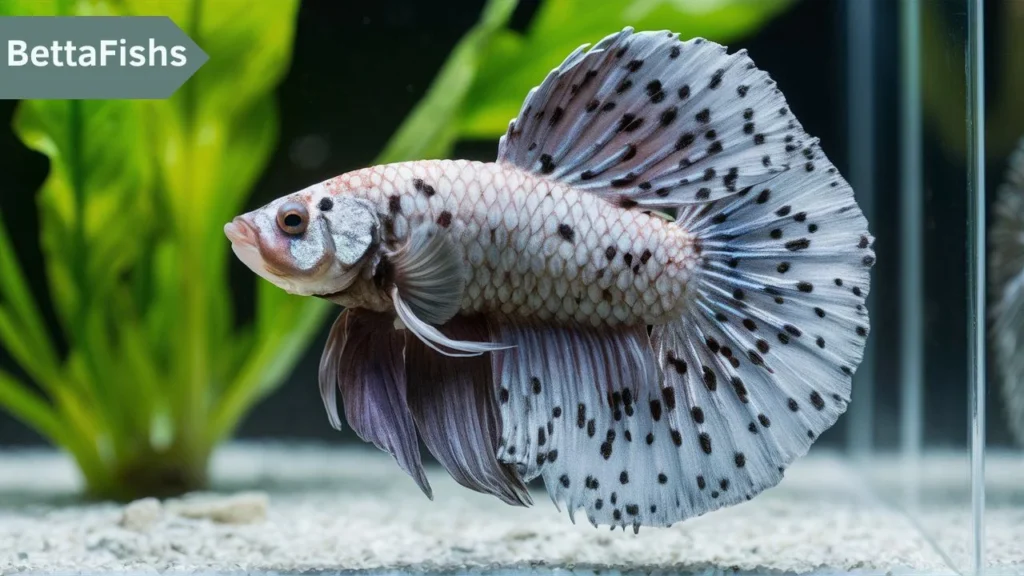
[[530, 248], [542, 315]]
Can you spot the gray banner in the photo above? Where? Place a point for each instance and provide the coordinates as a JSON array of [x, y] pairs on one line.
[[94, 57]]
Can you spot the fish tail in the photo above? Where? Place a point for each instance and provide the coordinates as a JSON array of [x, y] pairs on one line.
[[775, 324]]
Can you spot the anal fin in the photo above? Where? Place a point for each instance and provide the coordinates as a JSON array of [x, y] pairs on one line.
[[454, 405], [364, 360]]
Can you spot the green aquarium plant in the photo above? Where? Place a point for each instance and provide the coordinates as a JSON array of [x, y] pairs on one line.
[[150, 371]]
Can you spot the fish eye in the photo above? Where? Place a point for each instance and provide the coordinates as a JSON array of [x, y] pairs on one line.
[[292, 218]]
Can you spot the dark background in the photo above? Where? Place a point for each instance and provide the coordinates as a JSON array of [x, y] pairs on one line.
[[359, 67]]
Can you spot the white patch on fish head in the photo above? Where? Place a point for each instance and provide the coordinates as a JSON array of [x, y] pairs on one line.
[[307, 243]]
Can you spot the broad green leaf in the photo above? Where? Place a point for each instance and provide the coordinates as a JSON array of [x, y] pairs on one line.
[[91, 207], [514, 63]]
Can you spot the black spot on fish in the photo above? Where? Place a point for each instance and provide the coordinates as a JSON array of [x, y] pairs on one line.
[[704, 116], [679, 365], [608, 107], [698, 414], [668, 116], [668, 397], [684, 141], [325, 204], [444, 219], [801, 244], [630, 122], [394, 204], [623, 86], [547, 166], [634, 65], [705, 442], [592, 105], [556, 116], [716, 79], [566, 232], [656, 410], [740, 459], [710, 378], [817, 401], [677, 438], [423, 187], [684, 92]]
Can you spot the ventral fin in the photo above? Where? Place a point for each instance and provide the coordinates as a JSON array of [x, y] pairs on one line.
[[645, 119], [364, 360], [429, 278], [453, 402]]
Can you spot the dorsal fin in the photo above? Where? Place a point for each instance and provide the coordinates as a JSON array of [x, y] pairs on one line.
[[643, 118]]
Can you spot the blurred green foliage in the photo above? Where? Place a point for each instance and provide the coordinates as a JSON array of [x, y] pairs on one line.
[[157, 373]]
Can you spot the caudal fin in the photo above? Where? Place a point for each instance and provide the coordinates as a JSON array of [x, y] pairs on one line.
[[712, 409]]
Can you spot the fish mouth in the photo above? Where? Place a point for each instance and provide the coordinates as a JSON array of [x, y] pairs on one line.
[[239, 231], [246, 245]]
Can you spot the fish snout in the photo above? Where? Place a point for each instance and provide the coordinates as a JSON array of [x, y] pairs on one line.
[[240, 231]]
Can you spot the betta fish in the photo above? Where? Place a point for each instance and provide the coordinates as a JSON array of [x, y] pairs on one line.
[[1006, 289], [653, 300]]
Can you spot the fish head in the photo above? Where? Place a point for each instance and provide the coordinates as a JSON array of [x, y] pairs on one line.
[[310, 243]]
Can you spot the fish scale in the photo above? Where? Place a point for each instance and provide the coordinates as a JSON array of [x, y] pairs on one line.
[[532, 248]]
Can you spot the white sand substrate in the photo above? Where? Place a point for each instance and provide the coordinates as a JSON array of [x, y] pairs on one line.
[[278, 508]]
